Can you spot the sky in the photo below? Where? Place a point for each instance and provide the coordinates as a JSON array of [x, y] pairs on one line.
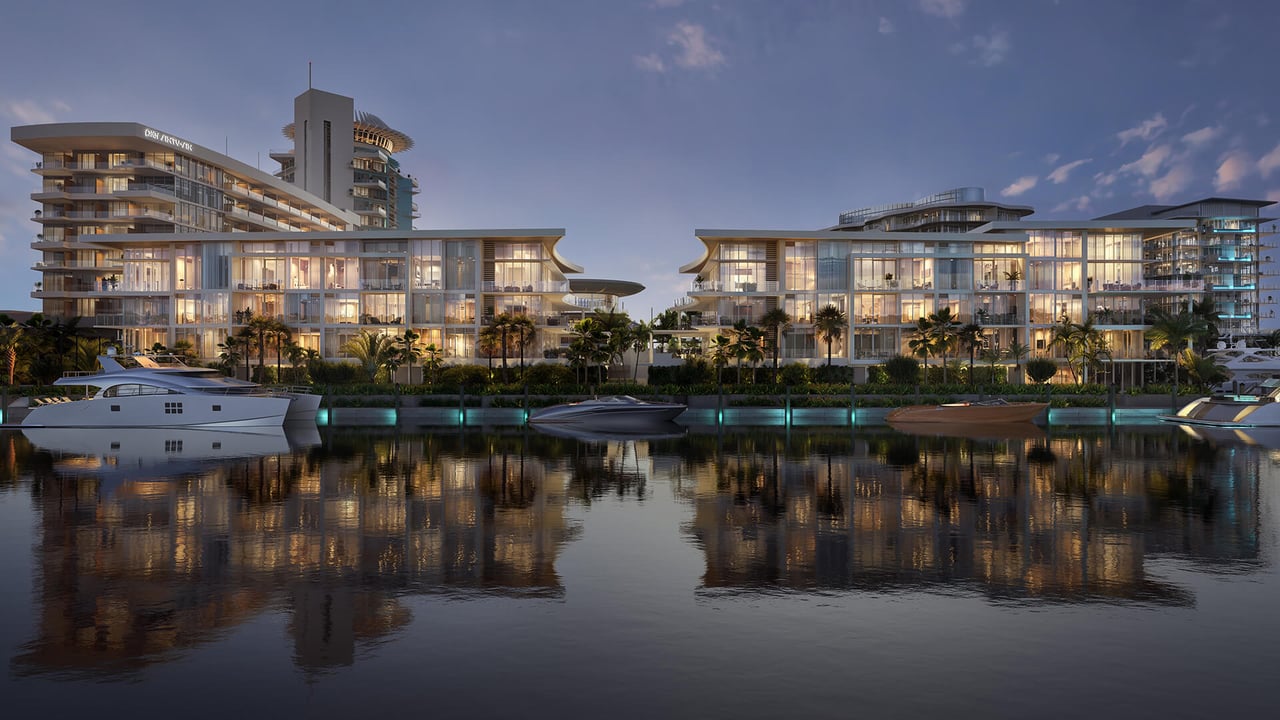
[[631, 123]]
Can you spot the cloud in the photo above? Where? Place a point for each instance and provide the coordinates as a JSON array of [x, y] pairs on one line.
[[1171, 183], [1103, 179], [1268, 163], [1062, 172], [1080, 204], [886, 26], [992, 49], [1233, 169], [650, 62], [1150, 162], [667, 3], [29, 112], [1145, 130], [1203, 136], [942, 8], [1052, 158], [1019, 186], [695, 50]]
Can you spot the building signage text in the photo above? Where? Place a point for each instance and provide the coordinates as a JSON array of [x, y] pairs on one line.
[[160, 137]]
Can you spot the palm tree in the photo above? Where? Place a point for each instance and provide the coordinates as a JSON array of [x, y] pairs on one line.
[[10, 338], [526, 332], [489, 344], [992, 357], [720, 351], [744, 343], [943, 325], [229, 352], [587, 335], [971, 336], [1174, 332], [502, 326], [375, 352], [1207, 310], [259, 327], [923, 342], [433, 357], [641, 340], [830, 322], [296, 354], [775, 322], [1202, 370], [282, 334], [1084, 344], [409, 351], [1017, 352]]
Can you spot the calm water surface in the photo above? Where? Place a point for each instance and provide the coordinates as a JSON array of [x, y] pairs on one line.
[[748, 573]]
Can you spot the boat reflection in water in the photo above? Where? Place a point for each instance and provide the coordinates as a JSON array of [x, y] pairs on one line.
[[587, 433], [115, 456], [342, 536]]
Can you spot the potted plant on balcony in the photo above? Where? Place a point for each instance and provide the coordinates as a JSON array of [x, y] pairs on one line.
[[111, 282], [888, 280], [1013, 276]]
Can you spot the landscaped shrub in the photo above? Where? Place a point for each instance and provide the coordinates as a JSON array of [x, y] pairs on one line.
[[1041, 370], [549, 374], [877, 375], [793, 374], [695, 371], [831, 374], [902, 370], [474, 377], [324, 372]]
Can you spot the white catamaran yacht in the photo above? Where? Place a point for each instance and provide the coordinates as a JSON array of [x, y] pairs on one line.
[[160, 391]]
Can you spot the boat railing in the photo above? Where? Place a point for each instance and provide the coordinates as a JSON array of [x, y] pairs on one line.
[[80, 373]]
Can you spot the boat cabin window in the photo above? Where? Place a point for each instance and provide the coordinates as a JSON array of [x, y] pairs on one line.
[[131, 389]]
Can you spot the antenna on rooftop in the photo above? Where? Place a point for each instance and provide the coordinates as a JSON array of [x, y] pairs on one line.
[[308, 74]]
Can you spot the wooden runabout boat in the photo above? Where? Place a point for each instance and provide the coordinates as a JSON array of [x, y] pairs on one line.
[[985, 412]]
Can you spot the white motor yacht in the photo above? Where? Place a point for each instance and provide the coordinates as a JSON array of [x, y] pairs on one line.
[[1245, 365], [613, 412], [1258, 409], [159, 391]]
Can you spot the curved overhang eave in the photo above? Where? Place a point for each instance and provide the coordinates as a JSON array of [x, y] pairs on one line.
[[561, 263], [602, 286]]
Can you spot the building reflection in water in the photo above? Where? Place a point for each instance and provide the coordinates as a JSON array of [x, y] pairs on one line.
[[1066, 519], [336, 536], [342, 535]]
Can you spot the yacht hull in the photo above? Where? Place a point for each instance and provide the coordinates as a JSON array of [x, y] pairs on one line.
[[206, 411]]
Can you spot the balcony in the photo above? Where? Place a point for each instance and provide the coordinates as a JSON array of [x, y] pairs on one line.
[[720, 286], [113, 216], [550, 286]]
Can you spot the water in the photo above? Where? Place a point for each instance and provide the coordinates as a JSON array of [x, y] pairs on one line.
[[747, 573]]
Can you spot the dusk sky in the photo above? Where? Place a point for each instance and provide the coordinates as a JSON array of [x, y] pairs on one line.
[[632, 122]]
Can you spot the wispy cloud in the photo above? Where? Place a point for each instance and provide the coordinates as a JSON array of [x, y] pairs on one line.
[[1233, 170], [650, 62], [886, 26], [943, 8], [1052, 158], [1203, 136], [992, 49], [1169, 185], [1150, 162], [667, 3], [1145, 130], [30, 112], [694, 50], [1019, 186], [1061, 173], [1268, 163], [1080, 204]]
